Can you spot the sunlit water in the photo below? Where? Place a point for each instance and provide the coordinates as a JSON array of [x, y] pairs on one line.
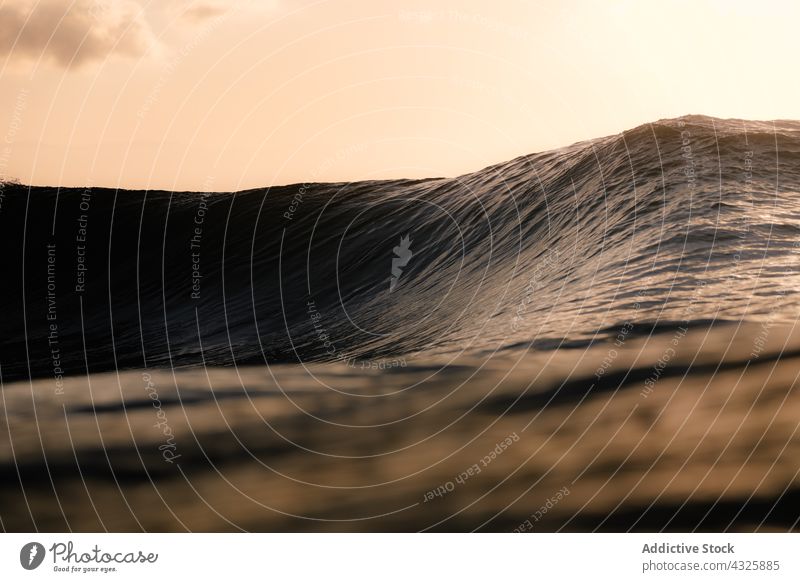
[[619, 313]]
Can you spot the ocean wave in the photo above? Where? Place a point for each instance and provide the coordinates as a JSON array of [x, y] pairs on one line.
[[689, 219]]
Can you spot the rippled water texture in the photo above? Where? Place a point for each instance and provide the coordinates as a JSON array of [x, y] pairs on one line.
[[596, 337]]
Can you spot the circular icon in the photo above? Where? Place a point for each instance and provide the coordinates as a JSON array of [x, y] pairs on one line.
[[31, 555]]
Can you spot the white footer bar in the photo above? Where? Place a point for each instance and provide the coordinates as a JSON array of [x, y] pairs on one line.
[[401, 557]]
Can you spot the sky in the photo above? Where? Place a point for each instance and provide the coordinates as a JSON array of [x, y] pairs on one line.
[[211, 95]]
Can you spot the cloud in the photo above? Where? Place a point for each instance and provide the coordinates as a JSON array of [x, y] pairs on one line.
[[195, 12], [72, 33], [201, 11]]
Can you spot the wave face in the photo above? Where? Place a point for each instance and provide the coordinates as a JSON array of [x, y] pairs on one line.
[[676, 222]]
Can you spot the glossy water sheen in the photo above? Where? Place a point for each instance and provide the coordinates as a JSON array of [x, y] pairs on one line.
[[624, 306]]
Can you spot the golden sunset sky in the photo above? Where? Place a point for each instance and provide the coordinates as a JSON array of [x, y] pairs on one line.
[[213, 95]]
